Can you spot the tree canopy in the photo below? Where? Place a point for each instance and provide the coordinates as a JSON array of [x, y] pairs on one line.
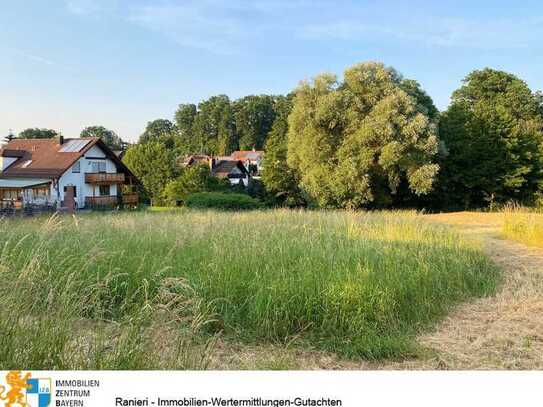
[[254, 117], [154, 165], [372, 139], [280, 180], [109, 137], [219, 126], [36, 133], [157, 130], [493, 132], [353, 142]]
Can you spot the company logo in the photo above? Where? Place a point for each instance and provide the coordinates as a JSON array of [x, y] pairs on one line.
[[25, 391]]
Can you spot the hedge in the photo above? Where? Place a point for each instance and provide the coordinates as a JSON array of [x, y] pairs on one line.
[[219, 200]]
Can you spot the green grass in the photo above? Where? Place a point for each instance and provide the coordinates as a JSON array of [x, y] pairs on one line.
[[152, 290]]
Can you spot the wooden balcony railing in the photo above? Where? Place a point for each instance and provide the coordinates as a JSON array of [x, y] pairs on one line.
[[131, 199], [104, 178], [101, 200]]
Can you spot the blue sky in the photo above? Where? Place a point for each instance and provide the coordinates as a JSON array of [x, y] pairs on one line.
[[67, 64]]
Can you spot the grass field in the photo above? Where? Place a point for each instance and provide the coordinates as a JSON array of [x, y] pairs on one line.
[[523, 226], [156, 290]]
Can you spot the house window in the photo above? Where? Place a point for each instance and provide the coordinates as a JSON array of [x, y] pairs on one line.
[[75, 191], [104, 190], [98, 166], [77, 167]]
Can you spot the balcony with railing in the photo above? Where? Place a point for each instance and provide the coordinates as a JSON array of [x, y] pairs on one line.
[[107, 200], [102, 178]]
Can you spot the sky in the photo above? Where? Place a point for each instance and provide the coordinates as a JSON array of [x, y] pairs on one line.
[[68, 64]]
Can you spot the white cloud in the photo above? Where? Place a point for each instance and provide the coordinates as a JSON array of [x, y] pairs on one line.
[[35, 58], [82, 6], [434, 31], [228, 26], [221, 27], [91, 7], [191, 24]]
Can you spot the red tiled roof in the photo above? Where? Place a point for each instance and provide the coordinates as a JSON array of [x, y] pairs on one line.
[[191, 159], [43, 158], [224, 167], [247, 155]]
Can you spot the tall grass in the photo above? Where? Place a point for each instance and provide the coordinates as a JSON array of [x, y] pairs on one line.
[[523, 225], [151, 290]]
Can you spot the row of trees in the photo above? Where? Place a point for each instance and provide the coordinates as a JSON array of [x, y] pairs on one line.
[[373, 139], [376, 140], [217, 125]]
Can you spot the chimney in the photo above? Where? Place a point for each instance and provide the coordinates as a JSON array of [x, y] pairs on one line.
[[60, 139]]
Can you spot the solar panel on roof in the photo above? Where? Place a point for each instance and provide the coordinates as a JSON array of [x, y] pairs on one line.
[[74, 146]]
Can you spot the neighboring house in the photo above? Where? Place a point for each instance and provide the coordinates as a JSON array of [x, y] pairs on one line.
[[221, 167], [252, 160], [234, 170], [46, 171]]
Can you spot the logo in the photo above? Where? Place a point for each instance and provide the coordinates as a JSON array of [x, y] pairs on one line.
[[25, 391]]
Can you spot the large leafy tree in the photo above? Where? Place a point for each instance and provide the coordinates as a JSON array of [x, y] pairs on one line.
[[36, 133], [279, 179], [154, 164], [493, 132], [184, 121], [109, 137], [355, 143], [214, 128], [254, 119], [157, 130]]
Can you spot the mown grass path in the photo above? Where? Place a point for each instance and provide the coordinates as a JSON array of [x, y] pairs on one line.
[[500, 332], [504, 331]]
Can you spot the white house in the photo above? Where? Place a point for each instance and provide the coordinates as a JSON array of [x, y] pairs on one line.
[[220, 167], [47, 171], [251, 159]]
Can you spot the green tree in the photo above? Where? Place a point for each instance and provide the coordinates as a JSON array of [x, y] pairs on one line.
[[354, 143], [184, 121], [493, 133], [36, 133], [279, 179], [539, 101], [195, 178], [214, 129], [154, 165], [157, 130], [254, 119], [109, 137]]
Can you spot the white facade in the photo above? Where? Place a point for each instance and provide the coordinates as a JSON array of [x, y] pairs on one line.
[[235, 180], [93, 161]]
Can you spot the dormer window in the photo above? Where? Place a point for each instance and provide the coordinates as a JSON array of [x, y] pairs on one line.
[[76, 167], [26, 163]]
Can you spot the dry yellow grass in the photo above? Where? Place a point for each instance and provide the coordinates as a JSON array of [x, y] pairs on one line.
[[524, 227]]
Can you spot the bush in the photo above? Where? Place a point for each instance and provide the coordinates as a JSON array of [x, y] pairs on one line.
[[193, 179], [218, 200]]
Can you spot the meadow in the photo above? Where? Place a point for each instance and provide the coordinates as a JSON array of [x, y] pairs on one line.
[[157, 290], [524, 226]]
